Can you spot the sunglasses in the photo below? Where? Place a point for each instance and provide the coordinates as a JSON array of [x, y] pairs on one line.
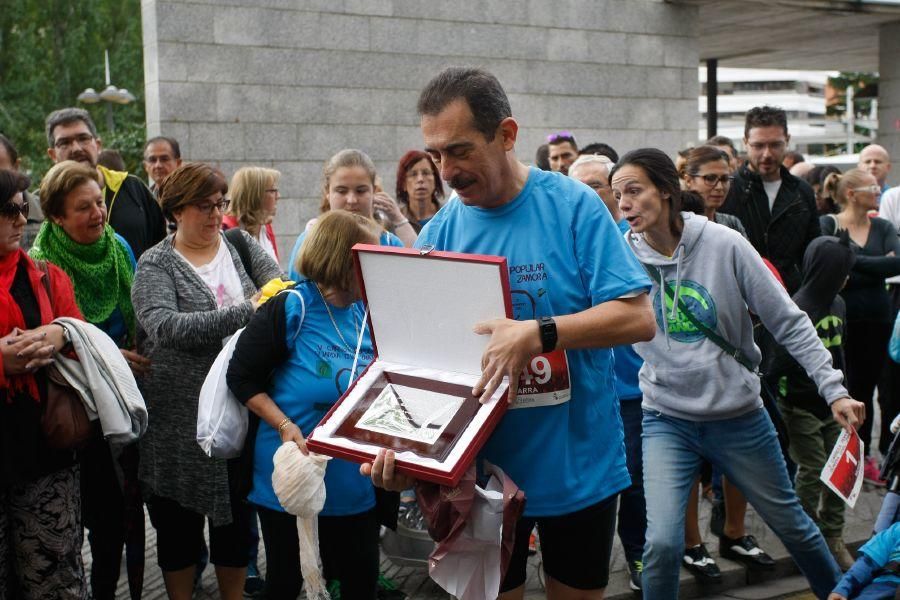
[[562, 135], [12, 210], [711, 180], [874, 189]]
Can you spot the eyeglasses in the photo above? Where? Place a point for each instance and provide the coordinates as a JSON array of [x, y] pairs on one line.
[[426, 173], [12, 210], [868, 188], [207, 208], [711, 180], [562, 135], [773, 146], [81, 140]]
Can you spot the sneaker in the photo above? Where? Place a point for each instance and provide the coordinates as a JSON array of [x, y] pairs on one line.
[[701, 565], [871, 472], [388, 590], [717, 518], [745, 550], [253, 584], [635, 569], [839, 552]]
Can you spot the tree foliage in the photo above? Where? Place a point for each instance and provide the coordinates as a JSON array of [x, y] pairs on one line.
[[50, 51]]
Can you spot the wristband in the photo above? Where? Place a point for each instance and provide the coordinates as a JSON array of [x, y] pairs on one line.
[[547, 327], [401, 223]]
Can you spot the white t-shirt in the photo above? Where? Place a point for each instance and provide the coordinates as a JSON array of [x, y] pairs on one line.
[[266, 243], [890, 209], [772, 188], [222, 278]]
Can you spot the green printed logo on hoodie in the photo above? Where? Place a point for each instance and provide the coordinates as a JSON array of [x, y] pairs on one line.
[[697, 300]]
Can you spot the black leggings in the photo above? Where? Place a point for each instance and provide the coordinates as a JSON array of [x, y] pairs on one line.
[[348, 546], [866, 350]]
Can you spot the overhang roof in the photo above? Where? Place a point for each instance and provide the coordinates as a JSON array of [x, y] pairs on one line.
[[793, 34]]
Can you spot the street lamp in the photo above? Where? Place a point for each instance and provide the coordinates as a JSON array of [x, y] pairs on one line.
[[111, 94]]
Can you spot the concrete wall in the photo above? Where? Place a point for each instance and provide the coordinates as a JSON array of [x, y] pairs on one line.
[[889, 95], [286, 83]]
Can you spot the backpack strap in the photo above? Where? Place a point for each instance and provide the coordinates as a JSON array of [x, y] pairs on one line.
[[710, 334], [235, 236]]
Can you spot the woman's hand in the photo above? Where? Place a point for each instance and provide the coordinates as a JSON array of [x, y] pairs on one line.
[[25, 351], [384, 203], [256, 300], [291, 432], [140, 365], [383, 475]]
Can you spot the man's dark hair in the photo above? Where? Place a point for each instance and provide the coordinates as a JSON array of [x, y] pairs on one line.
[[111, 159], [10, 149], [64, 116], [481, 90], [601, 149], [720, 141], [765, 116], [795, 156], [542, 157], [172, 142]]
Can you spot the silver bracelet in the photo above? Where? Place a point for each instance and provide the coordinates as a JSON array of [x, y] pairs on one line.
[[401, 223]]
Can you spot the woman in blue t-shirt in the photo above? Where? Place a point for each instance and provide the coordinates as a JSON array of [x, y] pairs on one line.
[[348, 183], [290, 365]]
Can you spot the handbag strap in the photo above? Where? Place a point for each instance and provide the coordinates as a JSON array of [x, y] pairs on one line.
[[237, 239], [710, 334], [42, 265]]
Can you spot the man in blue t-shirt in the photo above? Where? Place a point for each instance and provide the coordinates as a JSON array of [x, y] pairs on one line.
[[577, 291]]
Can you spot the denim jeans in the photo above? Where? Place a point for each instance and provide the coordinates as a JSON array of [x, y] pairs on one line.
[[632, 509], [746, 450]]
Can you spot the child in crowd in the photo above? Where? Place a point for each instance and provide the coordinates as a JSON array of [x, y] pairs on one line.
[[874, 575], [811, 428]]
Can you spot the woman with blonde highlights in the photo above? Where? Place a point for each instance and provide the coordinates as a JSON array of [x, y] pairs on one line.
[[868, 302], [254, 201], [306, 340]]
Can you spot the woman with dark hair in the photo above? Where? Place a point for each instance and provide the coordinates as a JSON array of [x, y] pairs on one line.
[[699, 382], [707, 172], [816, 177], [283, 350], [40, 500], [419, 188], [77, 237], [191, 291]]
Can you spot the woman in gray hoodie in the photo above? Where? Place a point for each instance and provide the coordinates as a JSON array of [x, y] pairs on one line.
[[699, 401]]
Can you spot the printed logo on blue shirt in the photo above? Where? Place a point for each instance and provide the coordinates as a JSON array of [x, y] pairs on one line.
[[698, 301]]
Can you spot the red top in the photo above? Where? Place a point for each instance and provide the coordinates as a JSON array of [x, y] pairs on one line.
[[230, 221]]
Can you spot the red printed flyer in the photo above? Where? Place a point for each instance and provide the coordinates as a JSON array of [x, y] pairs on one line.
[[843, 472]]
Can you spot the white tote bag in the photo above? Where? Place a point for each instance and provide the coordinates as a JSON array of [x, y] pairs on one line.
[[221, 419]]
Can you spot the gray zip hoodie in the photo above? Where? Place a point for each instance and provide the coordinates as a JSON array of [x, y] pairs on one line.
[[719, 277]]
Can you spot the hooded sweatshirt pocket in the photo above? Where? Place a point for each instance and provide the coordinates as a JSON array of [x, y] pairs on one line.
[[718, 388]]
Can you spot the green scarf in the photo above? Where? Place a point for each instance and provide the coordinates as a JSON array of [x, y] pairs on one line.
[[100, 272]]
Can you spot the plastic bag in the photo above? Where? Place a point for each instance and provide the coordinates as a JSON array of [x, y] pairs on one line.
[[221, 419]]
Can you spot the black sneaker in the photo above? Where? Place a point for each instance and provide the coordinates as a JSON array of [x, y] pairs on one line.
[[701, 565], [717, 518], [253, 584], [635, 569], [745, 550]]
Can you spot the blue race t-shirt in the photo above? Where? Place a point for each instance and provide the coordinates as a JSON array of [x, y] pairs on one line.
[[564, 255], [305, 386], [883, 548], [628, 363], [387, 239]]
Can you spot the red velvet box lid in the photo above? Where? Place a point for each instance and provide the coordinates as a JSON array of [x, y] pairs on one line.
[[422, 308]]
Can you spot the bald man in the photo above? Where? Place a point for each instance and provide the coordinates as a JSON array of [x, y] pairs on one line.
[[876, 161]]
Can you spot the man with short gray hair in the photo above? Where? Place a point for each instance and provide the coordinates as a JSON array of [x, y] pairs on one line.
[[131, 209]]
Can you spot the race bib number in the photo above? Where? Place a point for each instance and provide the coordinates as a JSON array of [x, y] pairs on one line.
[[545, 381]]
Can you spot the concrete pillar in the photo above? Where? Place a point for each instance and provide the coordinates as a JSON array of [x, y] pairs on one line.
[[889, 95], [286, 83]]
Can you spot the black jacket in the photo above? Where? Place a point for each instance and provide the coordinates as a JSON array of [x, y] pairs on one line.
[[135, 215], [782, 234]]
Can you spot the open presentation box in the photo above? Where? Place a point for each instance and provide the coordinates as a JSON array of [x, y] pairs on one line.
[[416, 396]]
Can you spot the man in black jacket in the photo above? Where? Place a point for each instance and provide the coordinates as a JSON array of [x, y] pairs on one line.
[[777, 209], [132, 210]]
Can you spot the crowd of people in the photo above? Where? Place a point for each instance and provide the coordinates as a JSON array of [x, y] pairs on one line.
[[722, 316]]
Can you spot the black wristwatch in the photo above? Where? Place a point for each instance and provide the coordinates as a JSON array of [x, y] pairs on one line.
[[548, 333]]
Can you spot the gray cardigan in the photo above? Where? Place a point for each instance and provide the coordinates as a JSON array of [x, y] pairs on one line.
[[181, 332]]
